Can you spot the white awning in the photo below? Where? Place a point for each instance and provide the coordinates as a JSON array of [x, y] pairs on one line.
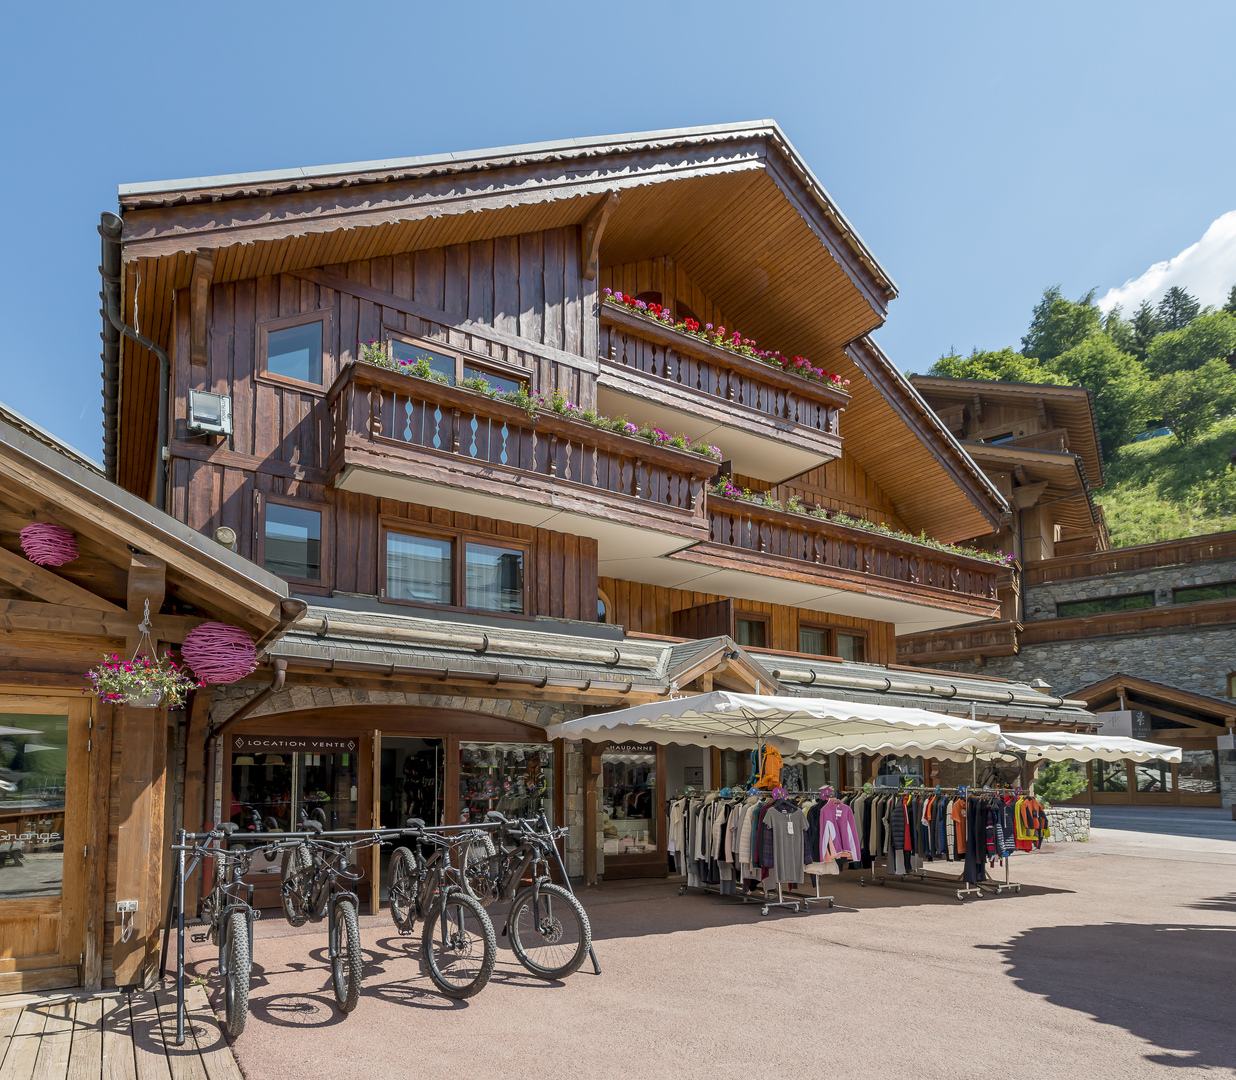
[[1072, 746], [792, 724]]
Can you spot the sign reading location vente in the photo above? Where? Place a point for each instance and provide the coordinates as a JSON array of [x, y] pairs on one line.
[[274, 744]]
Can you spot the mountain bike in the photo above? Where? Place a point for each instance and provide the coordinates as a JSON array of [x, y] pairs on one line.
[[228, 910], [457, 938], [549, 929], [312, 872]]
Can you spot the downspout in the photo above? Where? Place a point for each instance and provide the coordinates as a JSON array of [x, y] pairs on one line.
[[110, 226], [219, 730]]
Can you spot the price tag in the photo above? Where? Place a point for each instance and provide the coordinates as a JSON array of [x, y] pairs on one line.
[[789, 825]]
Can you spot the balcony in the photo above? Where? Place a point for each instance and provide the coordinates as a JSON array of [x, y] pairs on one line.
[[769, 424], [398, 437], [965, 643], [759, 553]]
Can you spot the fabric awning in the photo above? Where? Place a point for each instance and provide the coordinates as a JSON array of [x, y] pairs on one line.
[[1073, 746], [792, 724]]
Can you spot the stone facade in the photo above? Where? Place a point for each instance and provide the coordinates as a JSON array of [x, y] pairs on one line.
[[1041, 600], [1069, 823]]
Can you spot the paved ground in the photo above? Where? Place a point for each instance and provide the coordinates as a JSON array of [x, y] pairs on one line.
[[1116, 961]]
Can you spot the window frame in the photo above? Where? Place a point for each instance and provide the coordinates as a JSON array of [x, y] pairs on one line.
[[1229, 585], [603, 597], [831, 630], [459, 539], [1111, 611], [326, 316], [320, 586], [754, 617], [462, 357]]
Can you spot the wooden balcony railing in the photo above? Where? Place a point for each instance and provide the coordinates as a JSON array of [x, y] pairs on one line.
[[1193, 549], [959, 643], [746, 392], [1203, 616], [426, 431], [825, 550]]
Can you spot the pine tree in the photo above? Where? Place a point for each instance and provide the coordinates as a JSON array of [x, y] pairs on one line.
[[1230, 306], [1146, 327], [1177, 309]]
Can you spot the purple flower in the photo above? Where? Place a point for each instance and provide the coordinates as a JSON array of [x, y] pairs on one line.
[[641, 305]]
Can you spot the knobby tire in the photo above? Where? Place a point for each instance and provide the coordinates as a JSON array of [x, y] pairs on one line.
[[346, 964]]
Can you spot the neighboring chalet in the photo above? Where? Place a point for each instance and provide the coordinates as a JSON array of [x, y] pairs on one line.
[[1146, 632], [481, 558]]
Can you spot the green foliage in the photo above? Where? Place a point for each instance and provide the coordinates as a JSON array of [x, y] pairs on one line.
[[1119, 383], [1205, 338], [1120, 330], [1145, 326], [1177, 309], [1192, 402], [1057, 781], [1003, 365], [1058, 325], [1230, 306], [1158, 489]]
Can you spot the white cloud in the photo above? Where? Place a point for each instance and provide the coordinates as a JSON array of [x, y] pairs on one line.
[[1206, 270]]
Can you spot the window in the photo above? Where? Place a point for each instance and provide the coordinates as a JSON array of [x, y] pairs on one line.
[[1153, 776], [1199, 772], [753, 633], [1195, 594], [418, 568], [34, 761], [1129, 602], [1110, 776], [295, 352], [293, 542], [604, 607], [456, 366], [813, 641], [629, 799], [516, 779], [495, 578], [851, 647]]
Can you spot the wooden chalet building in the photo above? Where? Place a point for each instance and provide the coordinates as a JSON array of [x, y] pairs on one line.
[[436, 568]]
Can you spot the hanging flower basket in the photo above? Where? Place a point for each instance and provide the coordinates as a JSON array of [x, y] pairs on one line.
[[219, 653], [46, 544], [142, 681]]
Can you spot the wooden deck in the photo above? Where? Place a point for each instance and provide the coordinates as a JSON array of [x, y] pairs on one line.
[[116, 1036]]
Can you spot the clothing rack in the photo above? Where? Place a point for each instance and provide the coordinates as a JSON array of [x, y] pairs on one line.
[[918, 877], [766, 903]]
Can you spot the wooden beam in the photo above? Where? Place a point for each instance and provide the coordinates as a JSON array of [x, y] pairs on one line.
[[89, 622], [1180, 718], [977, 407], [1028, 494], [41, 582], [199, 295], [147, 584], [590, 235]]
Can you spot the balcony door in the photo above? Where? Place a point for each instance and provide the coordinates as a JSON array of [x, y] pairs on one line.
[[43, 806]]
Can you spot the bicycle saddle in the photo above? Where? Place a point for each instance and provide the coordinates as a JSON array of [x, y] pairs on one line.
[[496, 815], [228, 827], [416, 823], [311, 826]]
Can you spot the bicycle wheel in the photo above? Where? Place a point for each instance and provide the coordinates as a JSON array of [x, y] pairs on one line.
[[346, 963], [458, 945], [236, 983], [475, 867], [403, 888], [550, 938], [295, 905]]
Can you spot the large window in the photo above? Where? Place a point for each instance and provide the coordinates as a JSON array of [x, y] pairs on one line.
[[293, 542], [1199, 772], [418, 568], [1129, 602], [629, 799], [752, 632], [34, 755], [295, 352], [1110, 776], [1196, 594], [514, 778], [438, 362], [455, 366], [1154, 776], [454, 571], [823, 641], [495, 578]]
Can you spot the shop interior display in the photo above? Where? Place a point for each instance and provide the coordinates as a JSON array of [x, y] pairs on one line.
[[515, 778]]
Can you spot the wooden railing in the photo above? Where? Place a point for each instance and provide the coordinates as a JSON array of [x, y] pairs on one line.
[[959, 643], [828, 546], [1056, 439], [1207, 615], [371, 409], [633, 343], [1192, 549]]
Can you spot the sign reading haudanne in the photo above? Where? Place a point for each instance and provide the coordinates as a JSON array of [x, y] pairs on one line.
[[273, 744]]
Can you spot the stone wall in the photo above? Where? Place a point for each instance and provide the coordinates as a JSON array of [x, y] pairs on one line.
[[1069, 823], [1041, 600]]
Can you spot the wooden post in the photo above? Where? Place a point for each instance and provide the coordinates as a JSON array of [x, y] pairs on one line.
[[98, 798], [140, 793], [375, 852], [197, 784], [592, 770]]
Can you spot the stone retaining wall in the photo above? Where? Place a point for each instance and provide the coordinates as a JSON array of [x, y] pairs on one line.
[[1069, 823]]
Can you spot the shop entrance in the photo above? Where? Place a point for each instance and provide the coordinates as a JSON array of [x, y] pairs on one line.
[[42, 837], [411, 783]]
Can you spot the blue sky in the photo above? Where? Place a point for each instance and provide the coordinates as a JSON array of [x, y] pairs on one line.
[[983, 151]]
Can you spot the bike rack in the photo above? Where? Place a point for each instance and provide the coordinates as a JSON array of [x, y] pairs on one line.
[[187, 841]]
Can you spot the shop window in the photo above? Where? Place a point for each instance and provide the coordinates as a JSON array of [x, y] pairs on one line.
[[1110, 776], [418, 568], [272, 789], [1196, 594], [293, 542], [1199, 772], [1154, 776], [495, 578], [852, 647], [628, 800], [752, 632], [34, 761], [1128, 602], [295, 352], [515, 778]]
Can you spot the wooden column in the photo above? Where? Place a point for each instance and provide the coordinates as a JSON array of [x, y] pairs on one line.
[[375, 815], [592, 771], [197, 784], [139, 792], [450, 780], [98, 800]]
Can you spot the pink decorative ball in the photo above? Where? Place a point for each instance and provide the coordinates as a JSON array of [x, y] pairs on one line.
[[219, 653], [48, 545]]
